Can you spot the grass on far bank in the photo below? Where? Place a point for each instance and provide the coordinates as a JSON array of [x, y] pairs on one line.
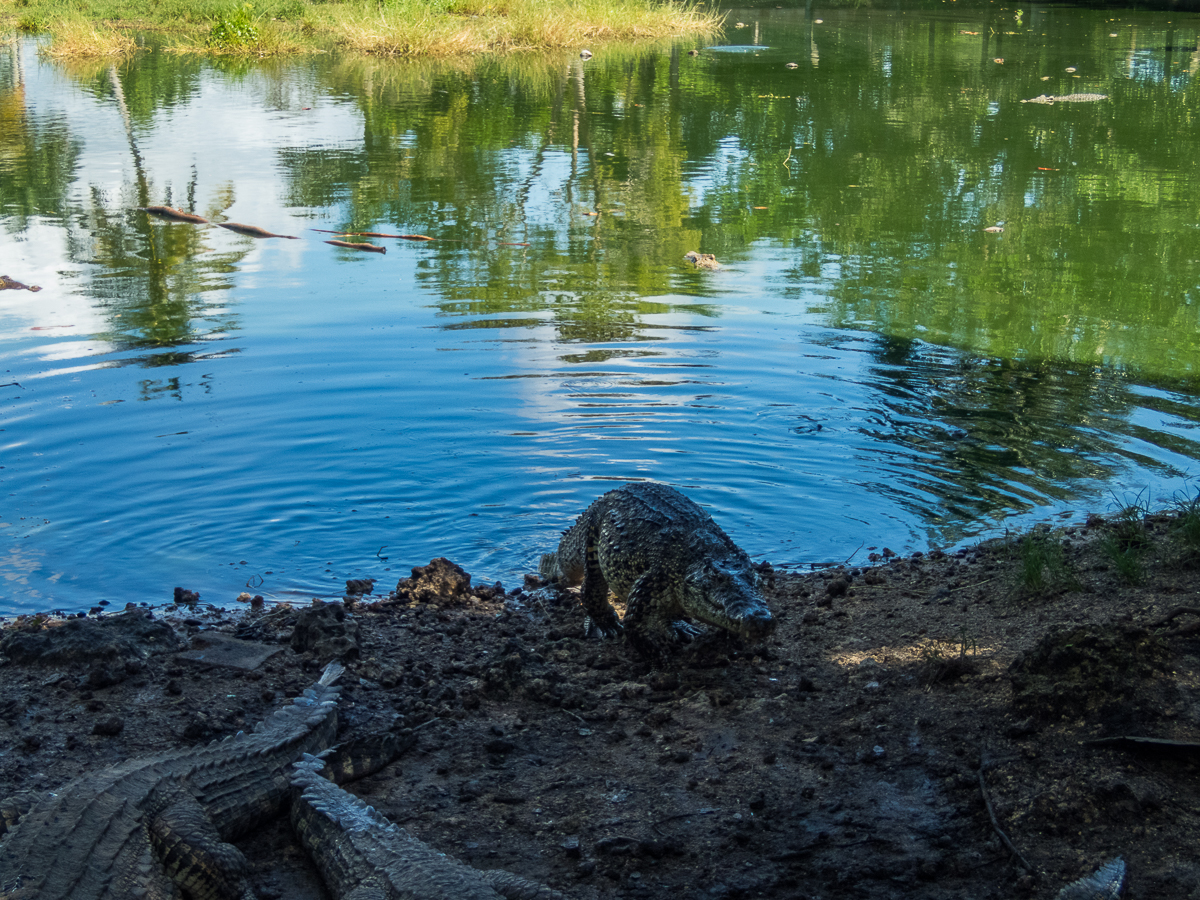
[[78, 38], [431, 28]]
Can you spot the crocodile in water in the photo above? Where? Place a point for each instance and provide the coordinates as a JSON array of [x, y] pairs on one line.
[[1049, 99], [702, 260], [666, 558], [147, 828], [363, 856]]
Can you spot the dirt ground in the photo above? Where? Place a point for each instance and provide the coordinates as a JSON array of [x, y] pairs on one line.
[[855, 754]]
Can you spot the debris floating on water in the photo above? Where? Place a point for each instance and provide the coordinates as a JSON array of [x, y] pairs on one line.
[[254, 231], [171, 214], [372, 248]]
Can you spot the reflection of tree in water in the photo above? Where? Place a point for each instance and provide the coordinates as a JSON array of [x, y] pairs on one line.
[[38, 157], [498, 153], [983, 437], [156, 283]]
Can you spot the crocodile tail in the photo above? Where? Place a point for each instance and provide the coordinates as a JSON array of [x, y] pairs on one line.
[[305, 769], [331, 673]]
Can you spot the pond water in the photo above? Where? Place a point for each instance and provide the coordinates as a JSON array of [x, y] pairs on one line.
[[185, 405]]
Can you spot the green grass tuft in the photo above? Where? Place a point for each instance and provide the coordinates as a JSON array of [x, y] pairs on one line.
[[1185, 529], [236, 31], [1126, 541], [1043, 565]]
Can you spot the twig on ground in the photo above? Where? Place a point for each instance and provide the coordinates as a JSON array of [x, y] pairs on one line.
[[1176, 613], [987, 801]]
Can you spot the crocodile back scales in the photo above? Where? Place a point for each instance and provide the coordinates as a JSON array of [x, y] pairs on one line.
[[357, 849]]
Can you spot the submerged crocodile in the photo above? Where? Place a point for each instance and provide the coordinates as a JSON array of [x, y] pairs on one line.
[[154, 826], [363, 856], [666, 558], [1049, 99], [702, 260]]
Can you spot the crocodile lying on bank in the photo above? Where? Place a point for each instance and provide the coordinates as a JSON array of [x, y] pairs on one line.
[[363, 856], [666, 558], [153, 826]]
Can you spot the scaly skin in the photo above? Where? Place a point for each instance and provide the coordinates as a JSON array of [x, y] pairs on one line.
[[666, 558], [147, 828], [363, 856]]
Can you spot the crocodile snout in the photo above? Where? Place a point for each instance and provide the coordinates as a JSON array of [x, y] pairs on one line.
[[756, 625]]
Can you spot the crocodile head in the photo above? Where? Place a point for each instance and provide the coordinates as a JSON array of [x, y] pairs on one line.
[[725, 594], [551, 568]]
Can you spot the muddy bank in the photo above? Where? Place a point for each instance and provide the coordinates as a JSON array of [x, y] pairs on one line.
[[855, 754]]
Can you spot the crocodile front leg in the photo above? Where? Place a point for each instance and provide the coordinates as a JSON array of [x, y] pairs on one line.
[[650, 613], [14, 807], [602, 617]]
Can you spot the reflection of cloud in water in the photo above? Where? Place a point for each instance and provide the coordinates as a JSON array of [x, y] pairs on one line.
[[555, 394], [17, 565]]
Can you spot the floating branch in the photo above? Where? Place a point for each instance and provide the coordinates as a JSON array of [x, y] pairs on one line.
[[371, 248], [378, 234], [254, 231]]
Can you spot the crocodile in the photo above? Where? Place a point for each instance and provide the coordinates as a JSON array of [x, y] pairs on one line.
[[666, 558], [702, 260], [1049, 99], [11, 284], [156, 827], [363, 856]]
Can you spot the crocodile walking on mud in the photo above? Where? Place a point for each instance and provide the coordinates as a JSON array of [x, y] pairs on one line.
[[360, 854], [154, 826], [667, 559]]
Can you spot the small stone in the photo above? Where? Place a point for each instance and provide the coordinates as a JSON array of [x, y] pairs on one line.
[[836, 588], [571, 848], [183, 596], [109, 727]]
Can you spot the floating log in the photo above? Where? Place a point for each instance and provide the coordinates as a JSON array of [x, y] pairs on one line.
[[171, 214], [254, 231], [371, 248], [378, 234]]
